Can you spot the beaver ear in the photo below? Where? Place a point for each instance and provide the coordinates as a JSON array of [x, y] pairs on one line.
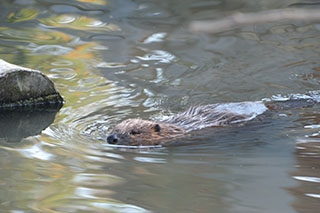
[[157, 128]]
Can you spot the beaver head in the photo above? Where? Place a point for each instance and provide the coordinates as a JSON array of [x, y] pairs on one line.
[[143, 132]]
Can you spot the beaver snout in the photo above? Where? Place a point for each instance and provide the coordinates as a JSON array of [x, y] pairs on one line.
[[112, 139]]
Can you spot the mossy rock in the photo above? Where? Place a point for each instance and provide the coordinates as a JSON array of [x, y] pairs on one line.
[[22, 87]]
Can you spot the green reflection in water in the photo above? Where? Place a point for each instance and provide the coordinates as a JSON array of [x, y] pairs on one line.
[[34, 35], [77, 22], [69, 62], [46, 178], [64, 57], [24, 14], [59, 170]]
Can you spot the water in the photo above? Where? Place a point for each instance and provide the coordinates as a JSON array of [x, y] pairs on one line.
[[113, 60]]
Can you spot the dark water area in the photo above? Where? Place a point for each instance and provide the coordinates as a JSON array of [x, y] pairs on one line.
[[118, 59]]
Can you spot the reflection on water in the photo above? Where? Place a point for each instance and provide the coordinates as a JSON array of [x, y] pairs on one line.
[[113, 60], [307, 174], [14, 126], [306, 170]]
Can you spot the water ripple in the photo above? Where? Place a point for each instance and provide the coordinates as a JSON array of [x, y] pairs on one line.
[[150, 160], [34, 36], [313, 195], [158, 56], [24, 14], [51, 50], [121, 208], [96, 180], [307, 179], [78, 22], [155, 37]]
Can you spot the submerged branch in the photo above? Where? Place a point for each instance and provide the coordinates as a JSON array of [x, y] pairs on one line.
[[244, 19]]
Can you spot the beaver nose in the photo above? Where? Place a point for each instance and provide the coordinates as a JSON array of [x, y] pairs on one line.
[[112, 139]]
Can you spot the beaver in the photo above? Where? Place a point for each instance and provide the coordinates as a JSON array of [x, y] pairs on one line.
[[138, 132]]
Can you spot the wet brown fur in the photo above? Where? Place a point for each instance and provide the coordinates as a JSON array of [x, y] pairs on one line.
[[143, 132]]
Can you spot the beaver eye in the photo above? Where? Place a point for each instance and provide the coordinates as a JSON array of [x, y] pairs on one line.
[[134, 132], [157, 128]]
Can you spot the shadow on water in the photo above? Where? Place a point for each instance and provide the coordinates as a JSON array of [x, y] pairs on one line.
[[18, 124]]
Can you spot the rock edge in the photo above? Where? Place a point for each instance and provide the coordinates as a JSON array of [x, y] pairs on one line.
[[22, 87]]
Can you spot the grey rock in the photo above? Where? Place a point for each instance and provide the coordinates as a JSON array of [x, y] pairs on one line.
[[22, 87]]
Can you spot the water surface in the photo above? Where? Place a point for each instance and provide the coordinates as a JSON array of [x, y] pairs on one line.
[[113, 60]]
